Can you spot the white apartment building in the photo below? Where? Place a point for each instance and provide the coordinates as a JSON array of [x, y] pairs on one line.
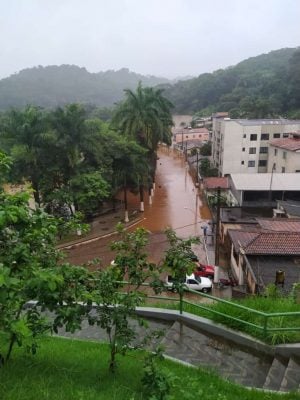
[[242, 146], [284, 155]]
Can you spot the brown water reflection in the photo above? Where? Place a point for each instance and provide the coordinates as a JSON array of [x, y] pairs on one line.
[[176, 201]]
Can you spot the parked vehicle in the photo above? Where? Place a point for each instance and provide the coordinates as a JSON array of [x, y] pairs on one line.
[[201, 284], [207, 271]]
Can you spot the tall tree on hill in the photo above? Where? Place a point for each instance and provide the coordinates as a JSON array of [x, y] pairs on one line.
[[145, 115]]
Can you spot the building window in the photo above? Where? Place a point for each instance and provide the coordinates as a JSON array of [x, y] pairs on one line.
[[252, 150], [187, 137], [263, 150], [285, 135], [244, 136], [243, 149], [253, 137], [283, 169], [284, 155], [251, 163], [264, 136], [275, 152], [297, 170], [262, 163], [201, 135], [243, 162], [276, 135]]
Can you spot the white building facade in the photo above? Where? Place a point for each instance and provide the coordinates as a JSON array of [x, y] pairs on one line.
[[242, 146], [284, 155]]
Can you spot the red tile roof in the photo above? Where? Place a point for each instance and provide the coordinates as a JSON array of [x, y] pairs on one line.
[[287, 144], [279, 225], [266, 243], [214, 183]]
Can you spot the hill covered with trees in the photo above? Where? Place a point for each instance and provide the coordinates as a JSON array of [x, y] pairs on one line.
[[264, 86], [54, 86]]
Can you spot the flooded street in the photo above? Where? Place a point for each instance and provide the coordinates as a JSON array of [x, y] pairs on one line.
[[176, 204]]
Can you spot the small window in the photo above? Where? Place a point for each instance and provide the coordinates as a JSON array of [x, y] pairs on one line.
[[251, 163], [242, 162], [274, 167], [276, 135], [244, 136], [253, 137], [262, 163], [285, 135], [283, 170], [275, 152], [263, 150], [218, 139], [187, 137], [243, 149], [252, 150], [297, 170], [264, 136], [284, 155]]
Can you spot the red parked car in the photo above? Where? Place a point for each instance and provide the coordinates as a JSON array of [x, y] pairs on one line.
[[204, 270]]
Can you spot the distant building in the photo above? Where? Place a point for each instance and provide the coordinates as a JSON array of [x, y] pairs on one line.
[[242, 146], [186, 134]]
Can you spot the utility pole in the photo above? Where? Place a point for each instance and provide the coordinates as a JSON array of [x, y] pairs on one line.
[[197, 169], [217, 233]]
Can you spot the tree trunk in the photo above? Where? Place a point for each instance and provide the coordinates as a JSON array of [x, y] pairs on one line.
[[126, 219], [142, 198]]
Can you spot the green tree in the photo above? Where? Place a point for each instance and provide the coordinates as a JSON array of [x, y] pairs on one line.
[[116, 303], [26, 134], [29, 270]]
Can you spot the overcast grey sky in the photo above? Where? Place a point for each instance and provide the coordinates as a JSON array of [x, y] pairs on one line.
[[161, 37]]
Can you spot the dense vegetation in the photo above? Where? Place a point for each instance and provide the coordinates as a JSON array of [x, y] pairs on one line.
[[75, 161], [54, 86], [264, 86]]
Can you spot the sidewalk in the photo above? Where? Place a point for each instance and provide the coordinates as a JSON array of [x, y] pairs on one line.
[[103, 226]]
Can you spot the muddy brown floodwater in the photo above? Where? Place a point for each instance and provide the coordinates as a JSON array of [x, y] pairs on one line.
[[176, 204]]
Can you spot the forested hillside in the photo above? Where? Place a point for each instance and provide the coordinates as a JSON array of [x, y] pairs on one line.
[[58, 85], [264, 86]]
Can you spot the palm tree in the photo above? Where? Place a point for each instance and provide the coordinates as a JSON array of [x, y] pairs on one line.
[[145, 116]]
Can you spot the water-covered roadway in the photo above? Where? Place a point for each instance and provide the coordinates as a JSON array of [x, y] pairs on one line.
[[176, 203]]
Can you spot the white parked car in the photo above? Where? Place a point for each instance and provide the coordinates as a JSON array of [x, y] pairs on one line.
[[201, 284]]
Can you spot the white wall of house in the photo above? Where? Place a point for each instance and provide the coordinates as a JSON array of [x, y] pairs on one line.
[[284, 160]]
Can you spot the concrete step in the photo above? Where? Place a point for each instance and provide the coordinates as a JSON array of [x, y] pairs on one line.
[[235, 363], [276, 374], [291, 379]]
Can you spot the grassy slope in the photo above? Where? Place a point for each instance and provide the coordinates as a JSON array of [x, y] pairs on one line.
[[77, 370]]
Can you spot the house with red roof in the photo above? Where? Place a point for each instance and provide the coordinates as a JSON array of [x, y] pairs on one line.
[[260, 251]]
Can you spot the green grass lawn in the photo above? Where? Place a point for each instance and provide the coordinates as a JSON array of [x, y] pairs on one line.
[[77, 370]]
